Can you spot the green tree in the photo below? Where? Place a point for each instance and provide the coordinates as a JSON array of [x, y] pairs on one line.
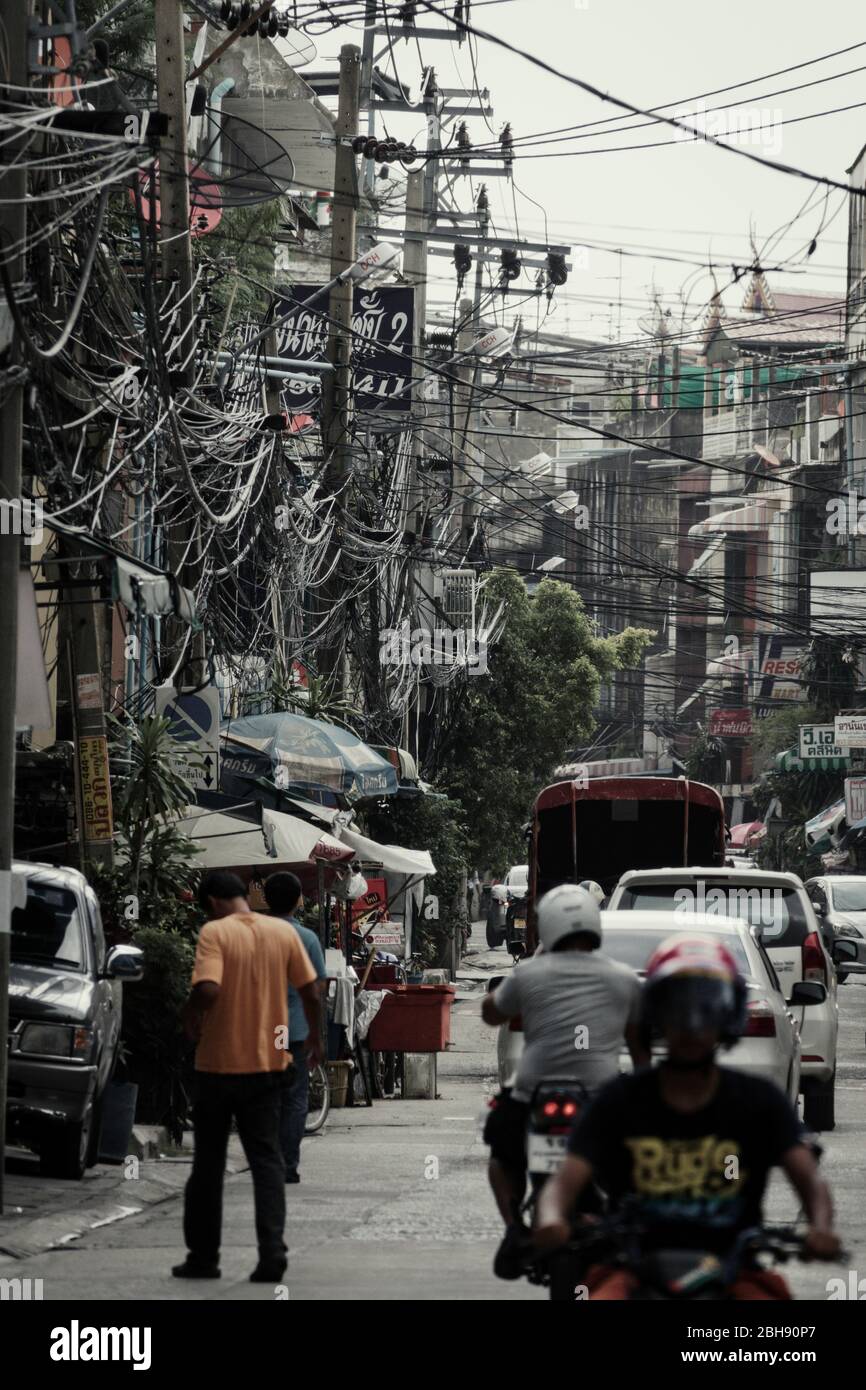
[[506, 730], [436, 824], [705, 762], [830, 676]]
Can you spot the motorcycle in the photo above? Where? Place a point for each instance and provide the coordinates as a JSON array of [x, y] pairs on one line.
[[515, 925], [665, 1275], [553, 1114]]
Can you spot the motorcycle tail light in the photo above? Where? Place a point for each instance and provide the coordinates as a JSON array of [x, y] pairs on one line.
[[569, 1109], [550, 1108]]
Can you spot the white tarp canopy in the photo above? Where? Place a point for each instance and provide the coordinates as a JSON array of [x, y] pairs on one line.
[[392, 857], [226, 841], [294, 841]]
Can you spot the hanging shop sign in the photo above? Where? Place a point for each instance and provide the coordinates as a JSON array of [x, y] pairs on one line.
[[855, 799], [383, 319], [778, 667], [850, 730], [95, 788], [731, 723], [819, 741]]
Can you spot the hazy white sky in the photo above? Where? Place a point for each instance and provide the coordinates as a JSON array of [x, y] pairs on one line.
[[685, 198]]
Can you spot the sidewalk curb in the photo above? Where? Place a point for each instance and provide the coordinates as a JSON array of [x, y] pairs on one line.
[[161, 1181], [60, 1228]]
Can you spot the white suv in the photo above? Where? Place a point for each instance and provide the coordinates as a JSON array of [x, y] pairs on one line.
[[778, 904]]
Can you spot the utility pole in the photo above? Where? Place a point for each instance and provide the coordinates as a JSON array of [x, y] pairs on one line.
[[174, 238], [13, 230], [182, 542], [473, 328], [466, 372], [84, 658], [337, 397]]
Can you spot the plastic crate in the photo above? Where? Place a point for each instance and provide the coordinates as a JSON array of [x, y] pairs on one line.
[[413, 1018]]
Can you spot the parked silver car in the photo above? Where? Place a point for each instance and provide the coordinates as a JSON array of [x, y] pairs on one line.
[[65, 1002]]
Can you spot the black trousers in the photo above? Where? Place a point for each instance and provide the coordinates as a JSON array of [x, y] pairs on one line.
[[253, 1101]]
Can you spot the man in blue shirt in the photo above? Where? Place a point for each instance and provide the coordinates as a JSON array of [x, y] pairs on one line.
[[285, 899]]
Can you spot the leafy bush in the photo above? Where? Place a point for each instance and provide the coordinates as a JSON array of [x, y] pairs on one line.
[[158, 1056]]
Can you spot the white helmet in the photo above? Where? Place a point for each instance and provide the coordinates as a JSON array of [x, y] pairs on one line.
[[595, 889], [564, 911]]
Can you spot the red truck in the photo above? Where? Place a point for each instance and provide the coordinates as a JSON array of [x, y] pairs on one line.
[[598, 827]]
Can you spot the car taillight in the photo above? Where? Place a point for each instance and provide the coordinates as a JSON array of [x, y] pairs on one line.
[[760, 1020], [813, 959]]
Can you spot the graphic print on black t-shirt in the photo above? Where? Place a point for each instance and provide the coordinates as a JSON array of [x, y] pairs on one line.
[[701, 1179], [695, 1179]]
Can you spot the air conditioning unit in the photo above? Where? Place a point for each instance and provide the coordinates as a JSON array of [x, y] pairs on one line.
[[457, 598]]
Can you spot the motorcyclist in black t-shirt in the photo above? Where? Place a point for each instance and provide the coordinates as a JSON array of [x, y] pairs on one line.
[[690, 1144]]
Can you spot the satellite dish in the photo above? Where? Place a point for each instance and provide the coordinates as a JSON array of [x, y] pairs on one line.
[[298, 49], [253, 166]]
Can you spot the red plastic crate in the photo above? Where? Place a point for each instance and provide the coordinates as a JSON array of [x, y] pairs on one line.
[[413, 1018]]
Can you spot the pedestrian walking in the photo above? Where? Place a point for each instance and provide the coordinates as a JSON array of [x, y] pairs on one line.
[[238, 1015], [284, 897]]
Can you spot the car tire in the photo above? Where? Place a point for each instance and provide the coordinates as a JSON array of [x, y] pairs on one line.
[[64, 1154], [819, 1106]]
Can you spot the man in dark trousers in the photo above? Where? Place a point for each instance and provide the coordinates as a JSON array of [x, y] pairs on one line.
[[284, 897], [238, 1015]]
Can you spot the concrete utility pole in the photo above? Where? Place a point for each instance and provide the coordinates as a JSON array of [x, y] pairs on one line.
[[13, 229], [174, 240], [85, 684], [337, 398], [471, 421], [175, 246]]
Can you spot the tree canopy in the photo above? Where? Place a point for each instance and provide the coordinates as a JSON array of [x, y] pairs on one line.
[[510, 727]]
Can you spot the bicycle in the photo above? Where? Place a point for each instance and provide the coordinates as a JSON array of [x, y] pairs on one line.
[[319, 1103]]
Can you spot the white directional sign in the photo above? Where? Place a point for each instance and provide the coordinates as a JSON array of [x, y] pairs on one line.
[[194, 723], [819, 741]]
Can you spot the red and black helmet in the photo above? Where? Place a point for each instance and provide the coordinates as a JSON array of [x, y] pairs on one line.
[[693, 984]]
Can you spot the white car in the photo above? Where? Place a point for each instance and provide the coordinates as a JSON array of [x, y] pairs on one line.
[[778, 905], [771, 1045], [839, 901]]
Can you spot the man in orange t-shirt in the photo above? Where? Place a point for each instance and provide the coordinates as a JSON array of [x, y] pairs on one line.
[[238, 1015]]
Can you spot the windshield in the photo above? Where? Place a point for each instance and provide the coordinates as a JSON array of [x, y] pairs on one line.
[[634, 948], [848, 897], [773, 909], [48, 930]]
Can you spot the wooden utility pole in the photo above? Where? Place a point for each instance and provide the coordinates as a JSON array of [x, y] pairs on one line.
[[337, 399], [13, 229]]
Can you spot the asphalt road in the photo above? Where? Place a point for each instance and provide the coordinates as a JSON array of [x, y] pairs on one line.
[[393, 1204]]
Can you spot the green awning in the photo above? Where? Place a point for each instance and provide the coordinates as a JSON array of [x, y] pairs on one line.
[[790, 761]]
